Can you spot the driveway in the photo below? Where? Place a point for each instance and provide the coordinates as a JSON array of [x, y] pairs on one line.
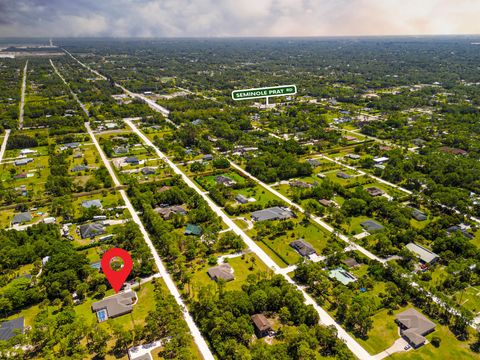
[[398, 346]]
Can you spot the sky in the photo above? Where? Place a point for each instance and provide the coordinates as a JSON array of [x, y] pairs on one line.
[[219, 18]]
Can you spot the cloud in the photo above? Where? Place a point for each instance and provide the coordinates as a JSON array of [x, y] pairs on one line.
[[165, 18]]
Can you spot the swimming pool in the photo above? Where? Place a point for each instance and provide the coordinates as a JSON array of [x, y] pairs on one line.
[[102, 315]]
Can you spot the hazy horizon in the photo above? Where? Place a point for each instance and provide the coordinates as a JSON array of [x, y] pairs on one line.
[[248, 18]]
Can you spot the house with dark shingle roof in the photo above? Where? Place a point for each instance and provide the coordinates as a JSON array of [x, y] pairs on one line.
[[11, 328], [414, 326], [167, 212], [79, 168], [22, 218], [224, 180], [302, 247], [343, 175], [374, 191], [223, 271], [418, 215], [371, 225], [132, 160], [273, 213], [91, 230]]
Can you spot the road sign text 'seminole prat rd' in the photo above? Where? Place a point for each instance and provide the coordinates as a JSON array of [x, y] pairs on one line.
[[264, 92]]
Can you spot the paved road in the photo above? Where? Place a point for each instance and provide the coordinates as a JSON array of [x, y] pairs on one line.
[[69, 89], [4, 144], [197, 336], [316, 219], [199, 340], [22, 96], [325, 318]]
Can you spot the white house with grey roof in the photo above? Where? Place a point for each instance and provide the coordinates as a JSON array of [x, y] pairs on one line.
[[21, 218], [424, 255], [273, 213]]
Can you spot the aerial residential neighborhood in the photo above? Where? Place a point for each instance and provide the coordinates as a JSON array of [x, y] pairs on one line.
[[240, 180]]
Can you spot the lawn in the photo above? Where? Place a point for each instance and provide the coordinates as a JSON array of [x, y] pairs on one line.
[[450, 348], [261, 195], [354, 225], [383, 334], [241, 269]]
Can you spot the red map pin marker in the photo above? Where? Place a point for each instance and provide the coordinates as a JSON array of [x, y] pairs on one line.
[[116, 278]]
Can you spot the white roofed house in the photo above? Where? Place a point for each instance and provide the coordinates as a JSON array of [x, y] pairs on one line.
[[424, 255]]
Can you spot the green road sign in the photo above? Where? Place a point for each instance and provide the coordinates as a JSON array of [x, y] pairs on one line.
[[264, 92]]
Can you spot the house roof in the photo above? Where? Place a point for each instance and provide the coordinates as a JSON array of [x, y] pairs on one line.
[[167, 212], [350, 262], [423, 254], [116, 305], [374, 191], [414, 338], [343, 175], [21, 218], [80, 168], [223, 271], [273, 213], [418, 215], [147, 171], [303, 248], [92, 203], [91, 230], [23, 161], [11, 328], [414, 321], [241, 199], [261, 322], [131, 160], [325, 202], [342, 275], [222, 179], [371, 225], [193, 230]]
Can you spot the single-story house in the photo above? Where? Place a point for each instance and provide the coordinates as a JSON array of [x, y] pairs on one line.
[[343, 175], [222, 271], [273, 213], [20, 176], [414, 326], [132, 160], [207, 157], [354, 156], [453, 151], [262, 325], [325, 202], [380, 160], [49, 220], [302, 247], [351, 262], [313, 162], [462, 228], [27, 151], [91, 230], [342, 275], [167, 212], [374, 191], [92, 203], [11, 328], [300, 184], [224, 180], [72, 145], [79, 168], [21, 162], [147, 171], [193, 230], [371, 225], [426, 256], [116, 305], [241, 199], [22, 218], [119, 150], [418, 215]]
